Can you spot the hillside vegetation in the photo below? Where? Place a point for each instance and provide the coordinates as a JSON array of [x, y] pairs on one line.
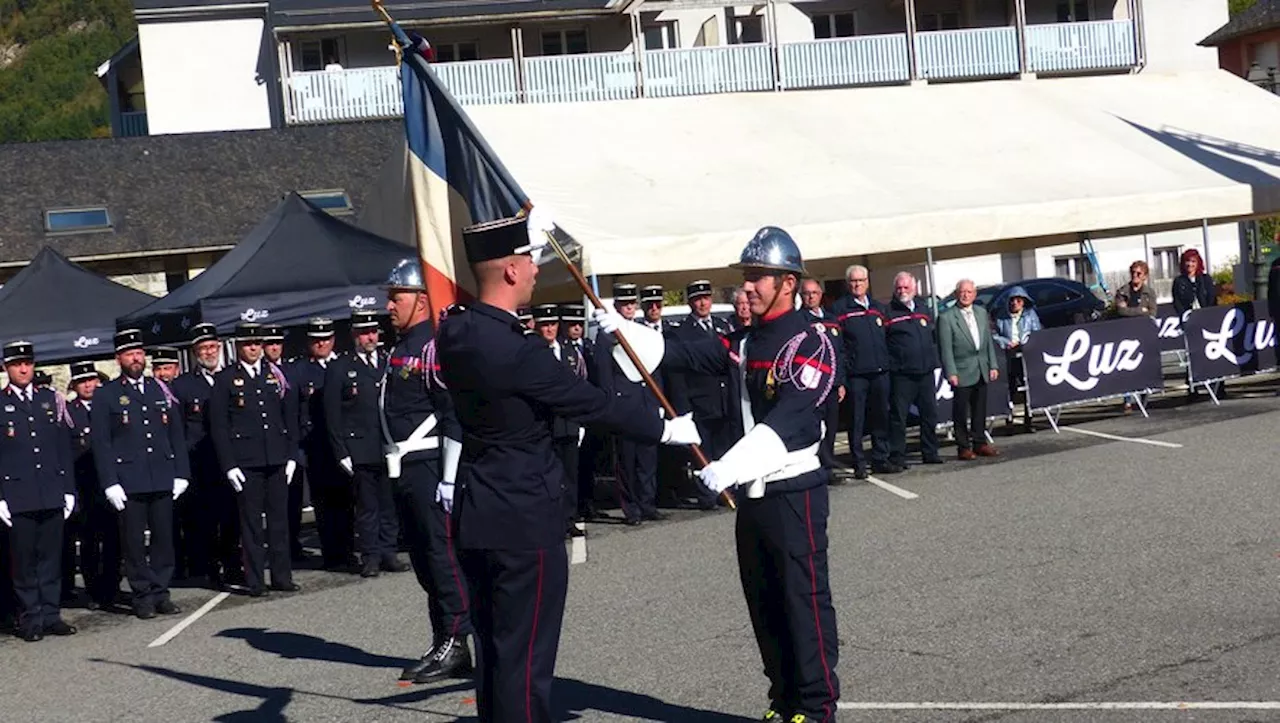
[[49, 50]]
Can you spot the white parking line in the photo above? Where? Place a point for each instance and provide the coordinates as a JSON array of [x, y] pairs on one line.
[[1117, 438], [578, 548], [1135, 705], [904, 494], [173, 632]]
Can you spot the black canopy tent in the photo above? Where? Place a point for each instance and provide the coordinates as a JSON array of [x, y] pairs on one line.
[[65, 310], [299, 262]]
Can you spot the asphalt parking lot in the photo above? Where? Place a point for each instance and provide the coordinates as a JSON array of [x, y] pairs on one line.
[[1107, 572]]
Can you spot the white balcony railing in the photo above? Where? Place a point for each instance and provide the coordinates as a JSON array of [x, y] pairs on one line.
[[1065, 47], [704, 71], [325, 96], [861, 60], [972, 53]]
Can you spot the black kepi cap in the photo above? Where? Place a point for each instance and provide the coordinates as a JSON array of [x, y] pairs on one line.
[[650, 293], [272, 334], [163, 355], [624, 292], [701, 287], [524, 314], [19, 351], [364, 320], [544, 313], [573, 313], [128, 340], [82, 370], [320, 328], [496, 239], [203, 331], [249, 332]]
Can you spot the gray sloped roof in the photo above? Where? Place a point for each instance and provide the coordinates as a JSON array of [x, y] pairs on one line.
[[1264, 15]]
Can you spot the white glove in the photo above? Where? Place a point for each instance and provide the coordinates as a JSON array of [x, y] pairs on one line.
[[179, 486], [680, 431], [715, 477], [582, 433], [539, 224], [116, 496], [345, 464], [68, 506], [444, 496], [608, 320], [289, 468], [236, 478], [5, 517], [451, 456]]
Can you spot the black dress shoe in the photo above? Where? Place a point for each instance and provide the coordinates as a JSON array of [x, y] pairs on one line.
[[934, 460], [887, 468], [860, 473], [60, 627], [654, 516], [452, 659], [411, 671], [286, 587], [371, 568], [166, 607], [144, 613], [31, 635], [258, 592], [632, 522], [394, 564]]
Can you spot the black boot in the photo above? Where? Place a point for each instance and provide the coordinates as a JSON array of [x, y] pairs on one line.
[[452, 660], [372, 566], [411, 671]]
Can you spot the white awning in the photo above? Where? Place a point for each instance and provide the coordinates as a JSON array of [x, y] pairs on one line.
[[660, 185]]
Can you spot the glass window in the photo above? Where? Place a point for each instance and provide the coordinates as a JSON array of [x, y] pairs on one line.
[[833, 25], [336, 202], [73, 220], [1050, 294], [564, 42], [751, 29], [457, 52], [1073, 11], [317, 54], [1164, 263], [660, 36]]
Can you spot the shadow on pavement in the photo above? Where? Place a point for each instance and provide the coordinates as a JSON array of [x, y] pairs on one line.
[[296, 646]]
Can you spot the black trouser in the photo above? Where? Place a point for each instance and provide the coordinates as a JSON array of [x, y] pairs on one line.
[[190, 536], [36, 540], [969, 413], [333, 499], [567, 453], [870, 399], [377, 526], [220, 524], [8, 603], [782, 561], [920, 390], [518, 606], [435, 562], [149, 571], [294, 503], [73, 530], [831, 418], [100, 551], [637, 474], [265, 490], [592, 444]]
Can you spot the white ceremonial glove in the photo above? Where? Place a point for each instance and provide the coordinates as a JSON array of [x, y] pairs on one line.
[[540, 223], [582, 433], [680, 431], [68, 506], [444, 496], [116, 496], [236, 478], [289, 468], [716, 478], [608, 320], [179, 486], [5, 517], [345, 464]]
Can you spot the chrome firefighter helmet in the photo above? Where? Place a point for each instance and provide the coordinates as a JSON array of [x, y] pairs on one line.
[[406, 276], [771, 249]]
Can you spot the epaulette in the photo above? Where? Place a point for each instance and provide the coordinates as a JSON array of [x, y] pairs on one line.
[[452, 309], [673, 324]]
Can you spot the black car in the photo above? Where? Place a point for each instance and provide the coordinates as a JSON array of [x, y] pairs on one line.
[[1058, 302]]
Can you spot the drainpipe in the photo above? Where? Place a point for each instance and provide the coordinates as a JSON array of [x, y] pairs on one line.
[[517, 54], [637, 46], [913, 57], [775, 56]]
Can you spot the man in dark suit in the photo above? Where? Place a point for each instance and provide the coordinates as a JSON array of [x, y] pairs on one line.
[[138, 446], [37, 493], [253, 419], [913, 356], [824, 321], [864, 360], [969, 363], [565, 433], [351, 390], [99, 532], [573, 319]]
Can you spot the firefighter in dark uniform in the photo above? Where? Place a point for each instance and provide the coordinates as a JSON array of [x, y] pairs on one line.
[[635, 461], [207, 514], [37, 493], [507, 390], [866, 377], [164, 363], [99, 531], [565, 433], [710, 397], [824, 321], [138, 447], [253, 419], [573, 320], [332, 495], [913, 357], [671, 465], [188, 548], [423, 449], [789, 369], [352, 386], [273, 356]]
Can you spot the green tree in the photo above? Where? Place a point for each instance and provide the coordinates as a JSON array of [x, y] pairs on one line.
[[1235, 7]]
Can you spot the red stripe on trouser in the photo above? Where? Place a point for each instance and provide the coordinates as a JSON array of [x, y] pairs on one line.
[[453, 568], [817, 621], [533, 637]]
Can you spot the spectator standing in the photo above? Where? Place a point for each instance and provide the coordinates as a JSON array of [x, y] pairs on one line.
[[969, 362]]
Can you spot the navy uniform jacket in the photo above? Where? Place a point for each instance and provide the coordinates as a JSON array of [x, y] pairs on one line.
[[35, 453], [193, 391], [138, 440], [587, 348], [506, 389], [573, 359], [351, 390], [308, 377], [709, 397], [413, 393], [86, 470], [910, 335], [253, 422], [864, 350]]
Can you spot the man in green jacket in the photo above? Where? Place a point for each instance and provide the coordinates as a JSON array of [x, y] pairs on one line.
[[969, 363]]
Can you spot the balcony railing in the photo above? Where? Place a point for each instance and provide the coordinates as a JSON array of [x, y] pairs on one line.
[[325, 96], [133, 123]]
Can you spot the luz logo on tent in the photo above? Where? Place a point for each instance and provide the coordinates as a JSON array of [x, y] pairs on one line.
[[251, 314], [1107, 358], [359, 302], [85, 342]]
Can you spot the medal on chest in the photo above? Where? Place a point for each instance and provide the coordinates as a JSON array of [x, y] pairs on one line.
[[770, 385]]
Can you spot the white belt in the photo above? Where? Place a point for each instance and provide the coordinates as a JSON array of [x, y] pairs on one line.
[[418, 441], [798, 462]]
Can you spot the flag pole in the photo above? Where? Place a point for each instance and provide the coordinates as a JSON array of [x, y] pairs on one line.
[[631, 354]]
